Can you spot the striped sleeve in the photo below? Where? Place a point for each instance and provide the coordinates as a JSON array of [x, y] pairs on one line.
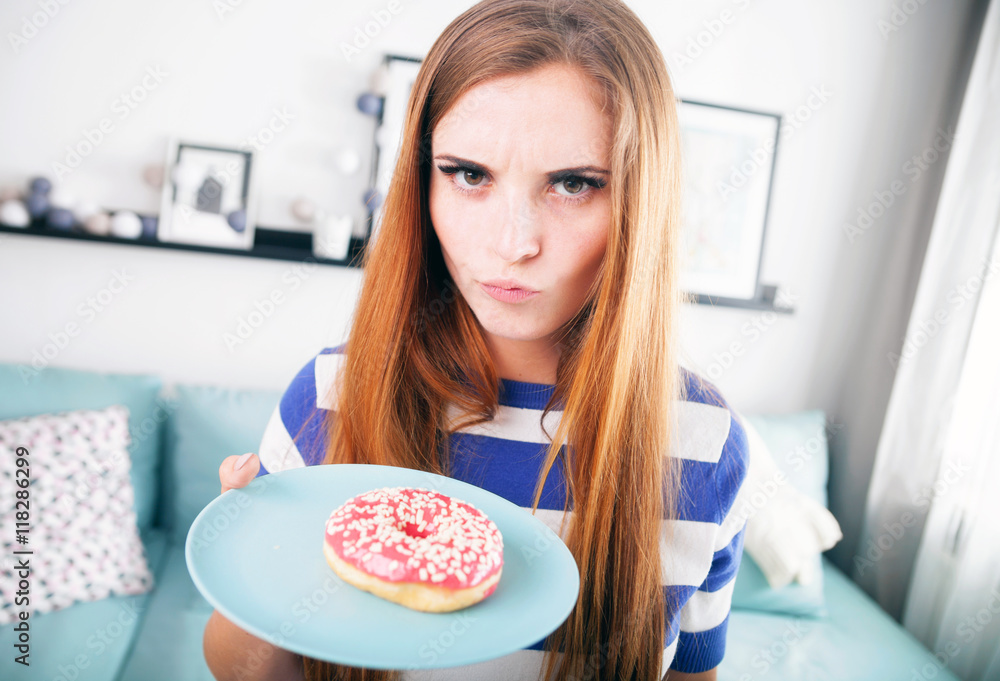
[[704, 618], [295, 435]]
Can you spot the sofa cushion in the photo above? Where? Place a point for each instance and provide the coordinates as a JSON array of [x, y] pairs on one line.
[[857, 641], [797, 443], [207, 425], [78, 507], [170, 644], [87, 641], [25, 391]]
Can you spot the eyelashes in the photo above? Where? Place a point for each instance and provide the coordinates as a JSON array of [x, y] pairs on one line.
[[591, 184]]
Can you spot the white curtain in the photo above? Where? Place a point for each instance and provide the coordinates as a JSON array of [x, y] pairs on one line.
[[930, 544]]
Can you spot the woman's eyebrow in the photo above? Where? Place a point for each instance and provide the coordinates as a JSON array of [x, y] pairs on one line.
[[480, 168]]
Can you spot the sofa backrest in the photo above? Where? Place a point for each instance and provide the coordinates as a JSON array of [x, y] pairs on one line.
[[29, 391], [206, 425]]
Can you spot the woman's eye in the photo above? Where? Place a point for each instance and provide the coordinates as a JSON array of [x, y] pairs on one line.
[[466, 174], [573, 186]]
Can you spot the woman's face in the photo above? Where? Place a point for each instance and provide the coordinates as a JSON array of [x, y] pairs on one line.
[[518, 192]]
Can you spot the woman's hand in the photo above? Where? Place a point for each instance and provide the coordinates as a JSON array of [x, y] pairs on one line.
[[237, 471]]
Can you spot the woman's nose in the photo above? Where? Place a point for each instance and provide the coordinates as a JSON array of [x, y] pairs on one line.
[[519, 229]]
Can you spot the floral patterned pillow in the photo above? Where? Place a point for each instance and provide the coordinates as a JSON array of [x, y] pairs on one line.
[[67, 520]]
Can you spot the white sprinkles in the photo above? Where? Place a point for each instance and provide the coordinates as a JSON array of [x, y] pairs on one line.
[[418, 535]]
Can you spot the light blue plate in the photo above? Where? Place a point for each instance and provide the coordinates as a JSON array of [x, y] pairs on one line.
[[256, 554]]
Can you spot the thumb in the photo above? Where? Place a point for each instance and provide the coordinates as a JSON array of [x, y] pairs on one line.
[[232, 477]]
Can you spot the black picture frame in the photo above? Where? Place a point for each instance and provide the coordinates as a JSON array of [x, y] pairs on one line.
[[202, 185], [729, 159]]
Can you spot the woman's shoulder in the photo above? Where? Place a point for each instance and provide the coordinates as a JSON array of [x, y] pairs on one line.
[[314, 385], [295, 434], [710, 431]]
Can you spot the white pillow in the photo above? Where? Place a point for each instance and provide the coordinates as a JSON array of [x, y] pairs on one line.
[[81, 522], [786, 529]]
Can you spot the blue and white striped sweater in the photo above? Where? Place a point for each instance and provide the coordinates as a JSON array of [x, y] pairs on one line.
[[505, 456]]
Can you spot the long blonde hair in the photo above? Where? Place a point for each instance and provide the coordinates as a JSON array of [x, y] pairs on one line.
[[413, 349]]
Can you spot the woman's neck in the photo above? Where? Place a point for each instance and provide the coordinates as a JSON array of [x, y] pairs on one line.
[[532, 361]]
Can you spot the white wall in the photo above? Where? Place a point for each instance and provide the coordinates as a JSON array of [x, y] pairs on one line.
[[885, 97]]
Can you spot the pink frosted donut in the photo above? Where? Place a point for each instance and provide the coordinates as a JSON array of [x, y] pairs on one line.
[[415, 547]]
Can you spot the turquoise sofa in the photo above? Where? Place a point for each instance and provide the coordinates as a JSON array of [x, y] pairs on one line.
[[181, 433]]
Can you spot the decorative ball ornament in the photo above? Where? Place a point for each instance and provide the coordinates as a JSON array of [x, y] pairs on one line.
[[126, 225], [83, 210], [149, 223], [14, 214], [303, 209], [371, 104], [348, 161], [10, 194], [99, 224], [187, 176], [372, 199], [40, 185], [38, 204], [237, 219], [60, 218], [60, 197], [153, 174]]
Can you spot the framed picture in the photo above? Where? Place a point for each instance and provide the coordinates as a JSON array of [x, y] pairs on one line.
[[207, 198], [728, 166], [397, 78]]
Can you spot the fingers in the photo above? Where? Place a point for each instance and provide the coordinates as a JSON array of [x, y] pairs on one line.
[[232, 477]]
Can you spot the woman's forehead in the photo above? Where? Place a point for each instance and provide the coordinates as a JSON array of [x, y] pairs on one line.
[[549, 114]]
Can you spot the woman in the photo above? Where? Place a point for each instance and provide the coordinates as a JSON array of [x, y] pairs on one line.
[[525, 269]]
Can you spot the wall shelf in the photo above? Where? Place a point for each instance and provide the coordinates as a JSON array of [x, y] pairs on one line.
[[274, 244], [767, 298], [278, 244]]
